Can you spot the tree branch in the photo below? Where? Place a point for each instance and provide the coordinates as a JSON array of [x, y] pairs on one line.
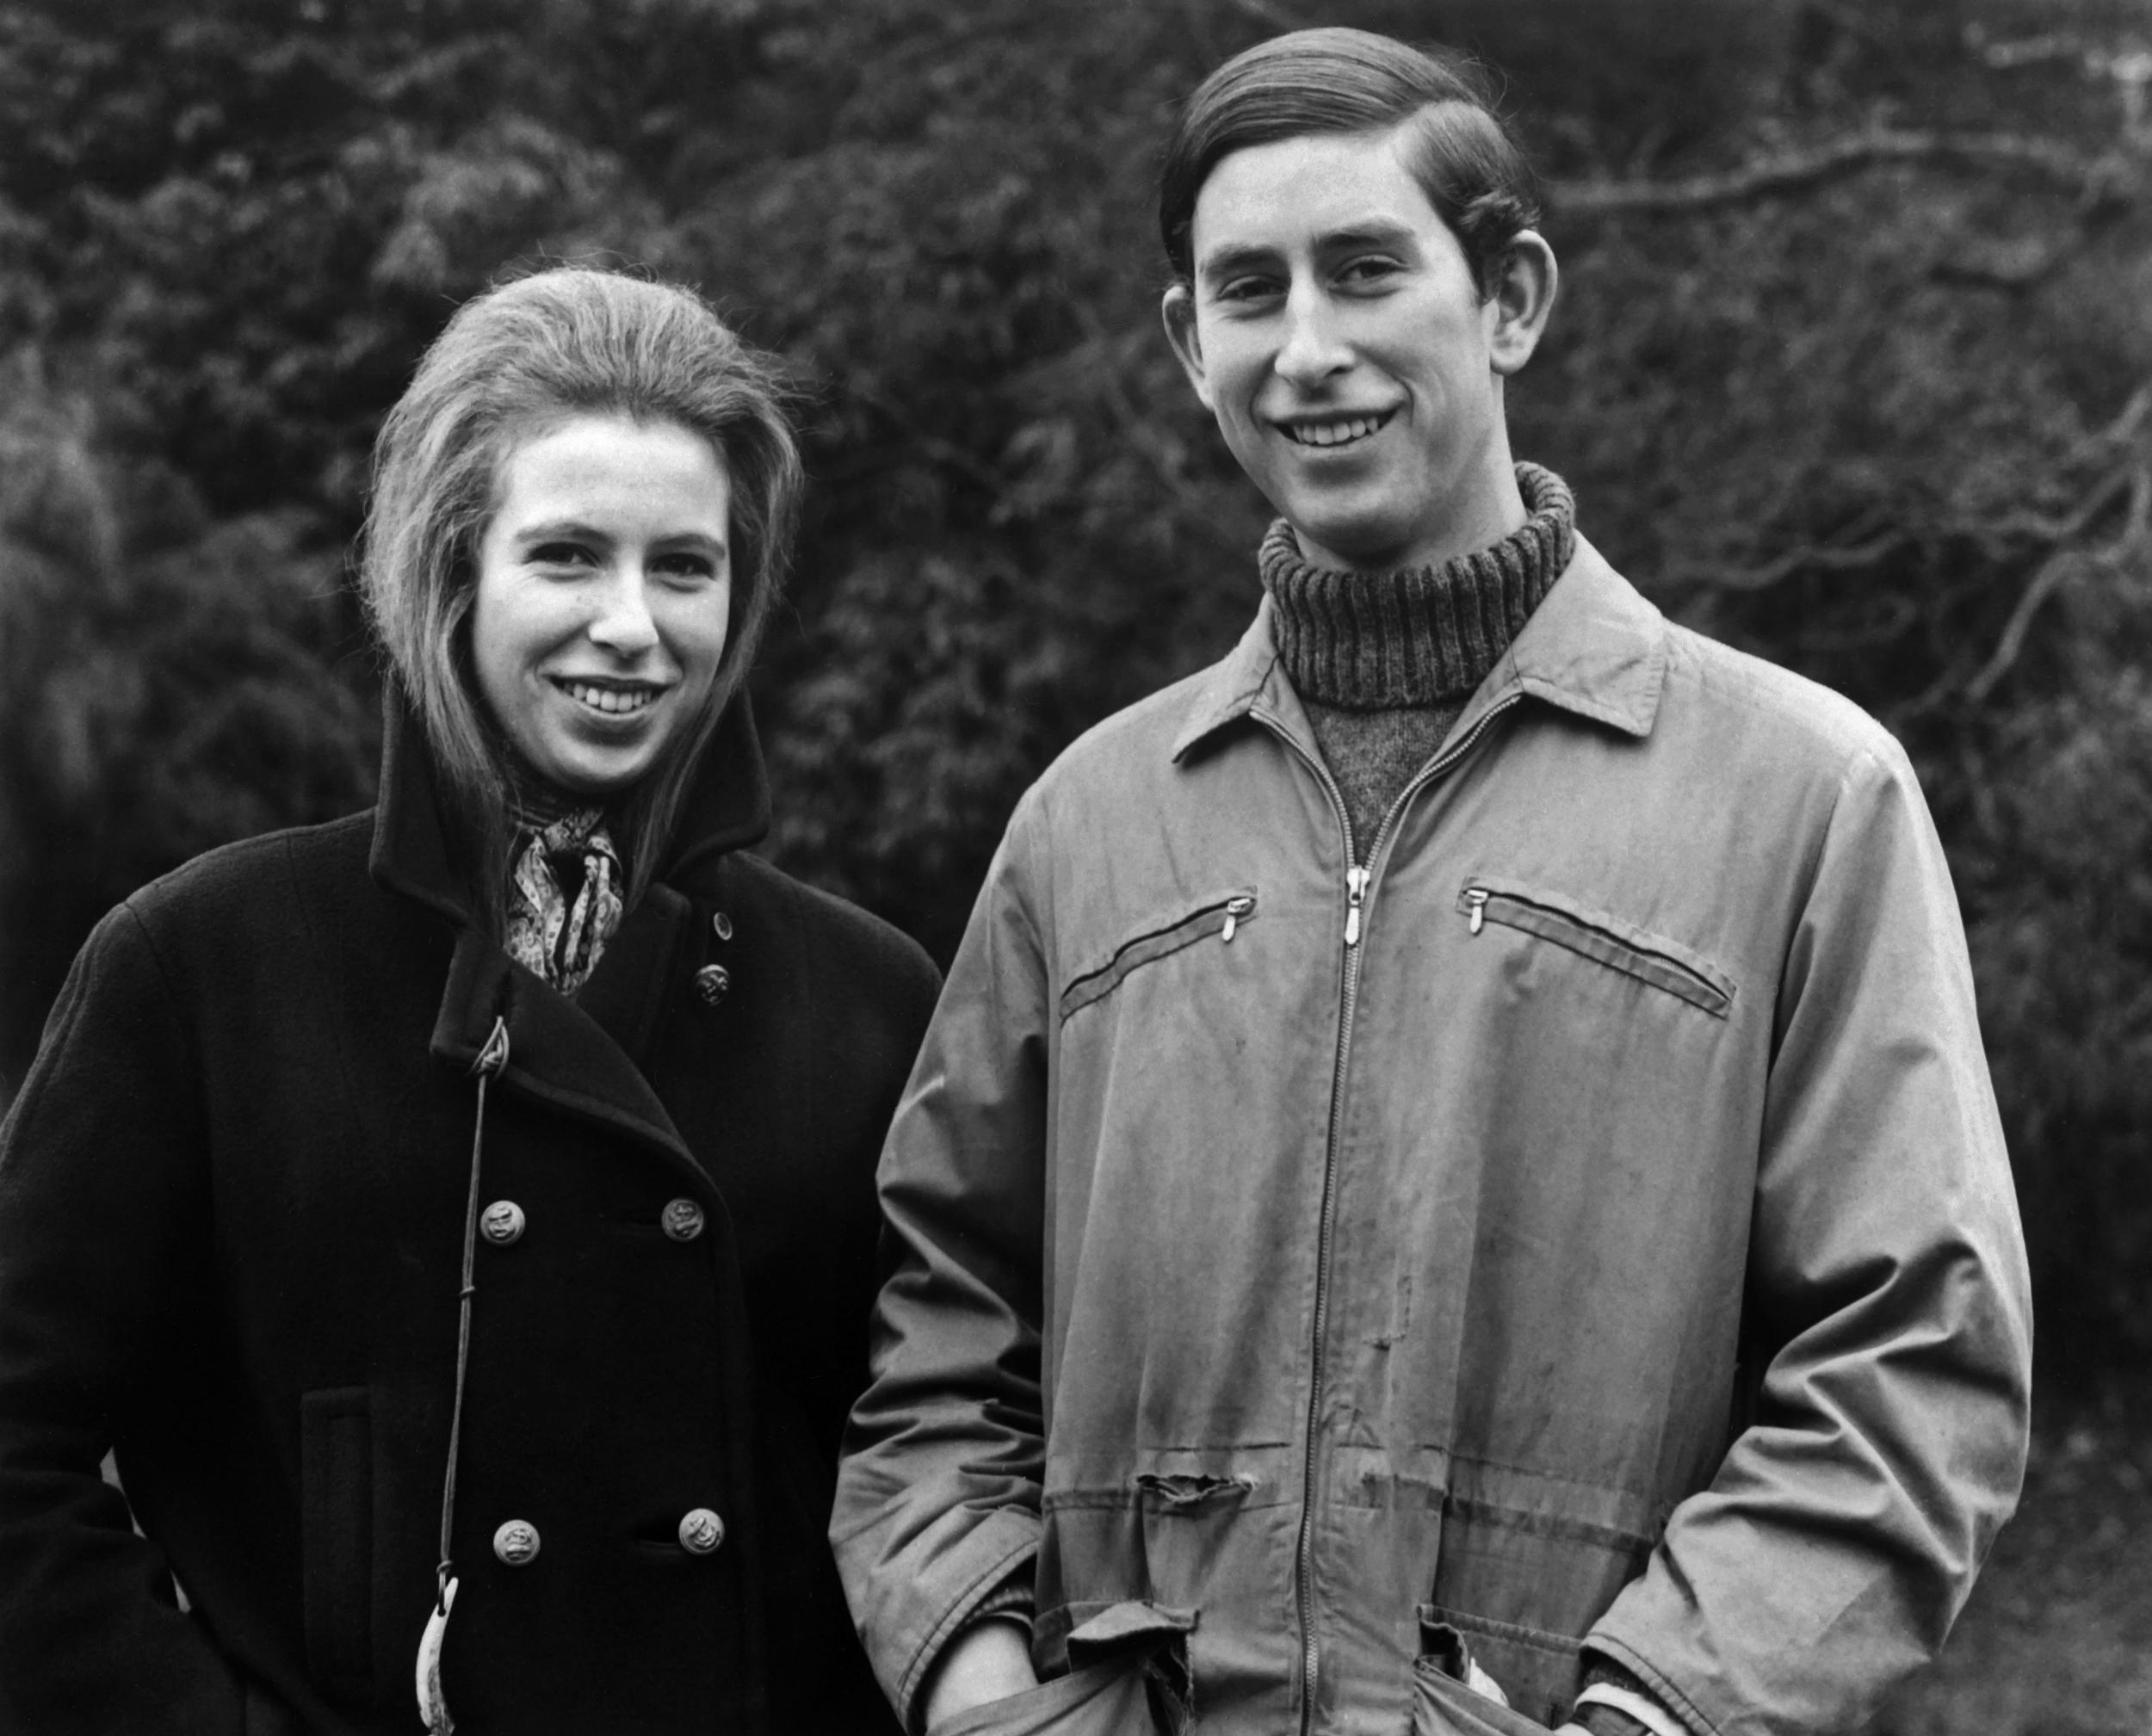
[[2049, 575], [1793, 170]]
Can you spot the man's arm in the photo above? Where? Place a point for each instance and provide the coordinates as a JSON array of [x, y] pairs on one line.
[[1833, 1549], [938, 1490]]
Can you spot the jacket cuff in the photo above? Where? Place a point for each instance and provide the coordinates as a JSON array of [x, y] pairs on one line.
[[1012, 1600], [1623, 1695], [1003, 1547]]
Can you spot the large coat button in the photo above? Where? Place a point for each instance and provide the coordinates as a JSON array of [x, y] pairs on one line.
[[502, 1223], [701, 1531], [682, 1219], [516, 1543], [711, 983]]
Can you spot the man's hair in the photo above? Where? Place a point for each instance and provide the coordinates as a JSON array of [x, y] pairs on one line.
[[514, 363], [1340, 81]]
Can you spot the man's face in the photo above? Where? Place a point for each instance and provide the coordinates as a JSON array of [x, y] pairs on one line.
[[1335, 331]]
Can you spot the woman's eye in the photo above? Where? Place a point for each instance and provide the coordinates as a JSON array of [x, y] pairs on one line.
[[685, 566], [559, 554]]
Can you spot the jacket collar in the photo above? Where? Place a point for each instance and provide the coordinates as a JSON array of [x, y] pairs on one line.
[[1594, 647], [726, 808]]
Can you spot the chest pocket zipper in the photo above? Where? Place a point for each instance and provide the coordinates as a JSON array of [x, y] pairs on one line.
[[1605, 939], [1224, 917]]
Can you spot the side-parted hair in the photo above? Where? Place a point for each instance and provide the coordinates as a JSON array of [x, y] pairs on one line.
[[513, 363], [1340, 81]]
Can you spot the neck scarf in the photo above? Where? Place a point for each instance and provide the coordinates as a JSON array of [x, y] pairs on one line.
[[564, 898]]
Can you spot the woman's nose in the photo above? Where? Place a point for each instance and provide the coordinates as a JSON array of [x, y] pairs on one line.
[[624, 624], [1313, 349]]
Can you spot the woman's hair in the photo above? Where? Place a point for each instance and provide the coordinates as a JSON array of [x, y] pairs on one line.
[[514, 362], [1340, 81]]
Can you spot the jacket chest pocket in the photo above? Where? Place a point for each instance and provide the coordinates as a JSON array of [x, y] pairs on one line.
[[1217, 918], [1607, 939]]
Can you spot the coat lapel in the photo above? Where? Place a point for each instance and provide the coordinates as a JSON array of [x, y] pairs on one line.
[[577, 1056]]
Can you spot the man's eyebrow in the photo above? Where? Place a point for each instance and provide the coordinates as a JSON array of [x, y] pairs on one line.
[[1374, 231], [1226, 261]]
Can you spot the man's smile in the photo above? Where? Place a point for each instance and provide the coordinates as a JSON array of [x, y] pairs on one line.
[[1333, 430]]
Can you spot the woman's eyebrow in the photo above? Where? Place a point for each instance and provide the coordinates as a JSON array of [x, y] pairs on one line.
[[560, 527]]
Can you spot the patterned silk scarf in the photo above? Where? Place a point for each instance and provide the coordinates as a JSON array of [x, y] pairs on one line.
[[564, 898]]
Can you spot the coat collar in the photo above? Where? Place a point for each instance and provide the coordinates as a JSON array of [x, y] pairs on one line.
[[581, 1056], [726, 808], [1594, 647]]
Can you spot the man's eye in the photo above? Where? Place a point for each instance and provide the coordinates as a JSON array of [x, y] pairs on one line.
[[1366, 273], [1246, 289]]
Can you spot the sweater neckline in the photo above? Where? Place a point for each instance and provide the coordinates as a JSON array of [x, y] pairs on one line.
[[1418, 635]]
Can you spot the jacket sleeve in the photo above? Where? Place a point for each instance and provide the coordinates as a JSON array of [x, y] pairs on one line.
[[937, 1494], [100, 1189], [1886, 1283]]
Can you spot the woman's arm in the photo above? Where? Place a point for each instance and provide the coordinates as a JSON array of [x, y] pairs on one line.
[[103, 1207]]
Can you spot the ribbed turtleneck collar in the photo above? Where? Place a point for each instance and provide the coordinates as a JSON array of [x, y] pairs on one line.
[[1420, 635]]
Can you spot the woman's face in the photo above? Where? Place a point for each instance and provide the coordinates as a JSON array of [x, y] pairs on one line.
[[604, 587]]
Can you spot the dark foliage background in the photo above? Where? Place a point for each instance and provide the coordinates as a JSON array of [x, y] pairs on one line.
[[1852, 368]]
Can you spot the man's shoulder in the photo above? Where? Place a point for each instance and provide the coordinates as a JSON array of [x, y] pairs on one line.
[[1730, 696], [1136, 742]]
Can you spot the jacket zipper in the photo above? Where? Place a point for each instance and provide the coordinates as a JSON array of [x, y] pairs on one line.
[[1358, 882], [1236, 909]]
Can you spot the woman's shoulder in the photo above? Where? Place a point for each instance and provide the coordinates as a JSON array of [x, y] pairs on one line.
[[255, 885], [831, 930]]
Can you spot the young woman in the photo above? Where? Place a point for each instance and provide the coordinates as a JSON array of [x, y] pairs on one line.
[[460, 1219]]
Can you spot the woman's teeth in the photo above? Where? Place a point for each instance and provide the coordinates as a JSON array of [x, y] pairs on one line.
[[1333, 433], [611, 699]]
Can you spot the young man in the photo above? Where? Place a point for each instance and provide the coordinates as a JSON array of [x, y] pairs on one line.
[[1454, 1163]]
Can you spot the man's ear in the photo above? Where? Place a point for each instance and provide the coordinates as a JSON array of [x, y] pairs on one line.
[[1524, 296], [1177, 310]]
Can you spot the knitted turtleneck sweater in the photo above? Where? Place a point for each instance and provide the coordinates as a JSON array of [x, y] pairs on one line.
[[1384, 662]]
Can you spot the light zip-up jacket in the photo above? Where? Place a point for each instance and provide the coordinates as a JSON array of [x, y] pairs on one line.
[[1587, 1226]]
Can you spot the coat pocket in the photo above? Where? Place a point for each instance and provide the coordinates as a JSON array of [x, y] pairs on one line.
[[335, 1480], [1128, 1674], [1221, 914], [1665, 964], [1443, 1705], [1536, 1671]]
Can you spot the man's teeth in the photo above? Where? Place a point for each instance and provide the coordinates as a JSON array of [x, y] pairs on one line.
[[610, 699], [1334, 433]]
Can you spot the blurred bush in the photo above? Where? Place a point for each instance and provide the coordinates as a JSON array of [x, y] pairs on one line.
[[1852, 367]]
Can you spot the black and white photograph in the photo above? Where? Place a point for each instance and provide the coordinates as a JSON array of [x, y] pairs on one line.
[[1076, 868]]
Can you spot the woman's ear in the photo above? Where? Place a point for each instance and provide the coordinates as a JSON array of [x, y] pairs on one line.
[[1523, 297], [1177, 310]]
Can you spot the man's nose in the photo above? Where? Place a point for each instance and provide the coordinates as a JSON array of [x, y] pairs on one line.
[[1314, 348], [622, 623]]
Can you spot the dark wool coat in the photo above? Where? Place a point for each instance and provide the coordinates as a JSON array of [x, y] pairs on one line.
[[232, 1196]]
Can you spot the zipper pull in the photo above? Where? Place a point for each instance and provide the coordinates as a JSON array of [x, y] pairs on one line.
[[1236, 909], [1356, 895], [1475, 901]]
